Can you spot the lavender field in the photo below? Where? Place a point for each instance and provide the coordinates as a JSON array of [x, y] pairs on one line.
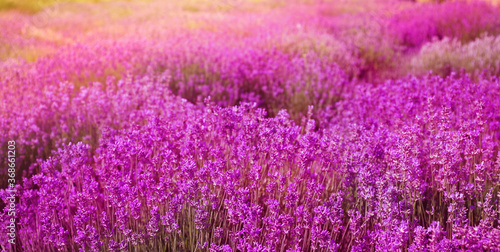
[[249, 125]]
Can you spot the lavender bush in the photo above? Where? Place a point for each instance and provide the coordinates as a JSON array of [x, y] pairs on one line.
[[202, 131], [462, 20], [385, 176], [479, 57]]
